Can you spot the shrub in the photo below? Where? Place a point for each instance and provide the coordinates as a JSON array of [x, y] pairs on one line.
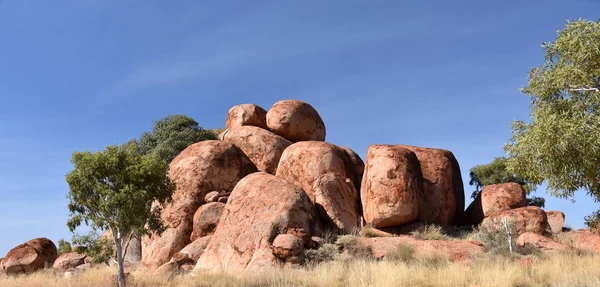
[[404, 253], [63, 247], [327, 252], [349, 244], [429, 232], [494, 236]]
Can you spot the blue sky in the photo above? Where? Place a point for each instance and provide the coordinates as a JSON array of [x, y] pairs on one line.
[[82, 74]]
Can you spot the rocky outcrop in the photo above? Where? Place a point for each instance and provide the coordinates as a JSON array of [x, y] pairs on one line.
[[453, 250], [261, 207], [544, 244], [443, 194], [392, 186], [499, 197], [263, 147], [206, 219], [195, 249], [587, 239], [69, 260], [325, 172], [556, 221], [33, 255], [246, 115], [199, 169], [524, 219], [296, 121]]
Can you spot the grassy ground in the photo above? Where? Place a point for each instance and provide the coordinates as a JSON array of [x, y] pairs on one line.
[[565, 269]]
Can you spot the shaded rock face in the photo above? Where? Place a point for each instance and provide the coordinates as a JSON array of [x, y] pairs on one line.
[[325, 172], [260, 207], [296, 121], [199, 169], [195, 249], [525, 219], [556, 221], [443, 194], [246, 115], [33, 255], [543, 243], [69, 260], [392, 186], [453, 250], [359, 167], [263, 147], [473, 215], [206, 219], [499, 197]]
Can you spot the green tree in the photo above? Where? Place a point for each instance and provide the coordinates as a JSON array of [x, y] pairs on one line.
[[171, 135], [114, 190], [63, 247], [496, 172], [99, 249], [561, 143]]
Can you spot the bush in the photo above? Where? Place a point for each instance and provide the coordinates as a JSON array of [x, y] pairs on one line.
[[327, 252], [99, 249], [63, 247], [349, 244], [495, 238], [404, 253], [429, 232]]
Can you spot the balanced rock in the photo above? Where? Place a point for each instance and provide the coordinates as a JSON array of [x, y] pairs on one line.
[[296, 121], [524, 219], [69, 260], [33, 255], [287, 245], [392, 186], [246, 115], [324, 172], [542, 243], [206, 219], [263, 147], [500, 197], [199, 169], [443, 193], [556, 221], [195, 249], [261, 207]]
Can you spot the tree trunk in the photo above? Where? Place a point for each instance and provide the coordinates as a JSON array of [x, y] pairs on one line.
[[121, 275]]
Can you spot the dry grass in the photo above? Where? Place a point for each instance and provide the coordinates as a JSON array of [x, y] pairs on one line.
[[430, 232], [557, 270]]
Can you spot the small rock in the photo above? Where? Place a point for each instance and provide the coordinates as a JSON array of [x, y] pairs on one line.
[[211, 196], [556, 221], [287, 245]]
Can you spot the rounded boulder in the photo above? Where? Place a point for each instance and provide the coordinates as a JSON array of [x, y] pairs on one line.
[[206, 219], [499, 197], [524, 219], [263, 147], [246, 115], [296, 121], [33, 255]]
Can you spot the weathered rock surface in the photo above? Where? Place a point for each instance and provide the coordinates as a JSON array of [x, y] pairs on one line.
[[392, 186], [324, 171], [287, 245], [33, 255], [69, 260], [453, 250], [212, 196], [473, 215], [525, 219], [499, 197], [206, 219], [359, 167], [263, 147], [260, 207], [195, 249], [556, 221], [543, 243], [246, 115], [587, 239], [296, 121], [443, 194], [199, 169]]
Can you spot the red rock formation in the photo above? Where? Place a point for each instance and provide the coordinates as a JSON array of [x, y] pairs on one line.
[[260, 207], [246, 115], [296, 121], [206, 219], [444, 197], [544, 244], [324, 172], [263, 147], [556, 220], [392, 186], [199, 169], [525, 219], [500, 197], [33, 255], [69, 260], [453, 250], [587, 239], [287, 245], [195, 249]]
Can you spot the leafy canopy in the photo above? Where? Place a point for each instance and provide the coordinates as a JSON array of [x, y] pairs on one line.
[[99, 249], [172, 134], [561, 144], [63, 247], [115, 188]]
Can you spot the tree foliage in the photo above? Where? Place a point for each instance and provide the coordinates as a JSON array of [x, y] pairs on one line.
[[561, 143], [115, 189], [172, 134], [99, 249], [63, 247]]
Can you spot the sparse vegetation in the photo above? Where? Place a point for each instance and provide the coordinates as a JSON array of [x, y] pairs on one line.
[[404, 253], [63, 247], [496, 240], [430, 232]]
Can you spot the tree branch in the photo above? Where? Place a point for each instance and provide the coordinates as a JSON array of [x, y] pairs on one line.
[[582, 89], [127, 244]]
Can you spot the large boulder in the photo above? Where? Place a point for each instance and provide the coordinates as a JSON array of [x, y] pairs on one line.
[[500, 197], [263, 147], [524, 219], [443, 193], [206, 219], [544, 244], [296, 121], [260, 207], [69, 260], [33, 255], [556, 221], [453, 250], [195, 249], [587, 239], [246, 115], [392, 186], [325, 172], [199, 169]]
